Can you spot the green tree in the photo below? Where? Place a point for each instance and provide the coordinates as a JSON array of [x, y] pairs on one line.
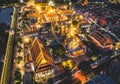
[[19, 59], [18, 75], [59, 50], [19, 50], [18, 82]]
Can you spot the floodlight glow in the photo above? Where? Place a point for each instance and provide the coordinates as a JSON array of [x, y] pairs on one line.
[[51, 3]]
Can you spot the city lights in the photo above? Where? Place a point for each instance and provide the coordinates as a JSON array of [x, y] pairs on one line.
[[51, 3], [26, 39], [81, 17], [118, 45], [21, 1], [59, 41], [38, 8]]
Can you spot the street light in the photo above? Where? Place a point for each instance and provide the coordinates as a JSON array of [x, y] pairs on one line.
[[70, 3], [81, 17], [21, 1], [38, 8], [26, 39], [51, 3]]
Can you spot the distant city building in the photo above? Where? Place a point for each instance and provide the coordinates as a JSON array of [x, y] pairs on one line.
[[42, 60], [114, 1]]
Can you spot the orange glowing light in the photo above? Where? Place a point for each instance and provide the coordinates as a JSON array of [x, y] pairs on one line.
[[81, 17], [72, 32], [26, 39], [79, 75], [38, 8], [85, 2]]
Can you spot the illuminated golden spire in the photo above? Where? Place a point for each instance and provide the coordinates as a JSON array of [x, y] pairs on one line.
[[49, 10], [40, 55]]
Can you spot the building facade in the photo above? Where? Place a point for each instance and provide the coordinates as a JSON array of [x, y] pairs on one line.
[[42, 60], [101, 40]]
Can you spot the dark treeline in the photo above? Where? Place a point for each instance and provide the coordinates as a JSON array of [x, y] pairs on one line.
[[8, 1], [3, 38]]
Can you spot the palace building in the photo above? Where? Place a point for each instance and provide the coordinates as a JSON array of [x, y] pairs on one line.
[[42, 60], [48, 14], [101, 40]]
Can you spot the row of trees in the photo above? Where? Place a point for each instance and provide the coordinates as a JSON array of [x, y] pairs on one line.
[[19, 47], [18, 76]]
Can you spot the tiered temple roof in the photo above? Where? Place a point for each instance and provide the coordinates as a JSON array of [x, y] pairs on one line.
[[41, 57]]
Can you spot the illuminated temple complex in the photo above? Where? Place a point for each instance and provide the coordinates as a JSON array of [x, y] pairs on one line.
[[73, 44], [48, 14], [41, 15], [42, 60]]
